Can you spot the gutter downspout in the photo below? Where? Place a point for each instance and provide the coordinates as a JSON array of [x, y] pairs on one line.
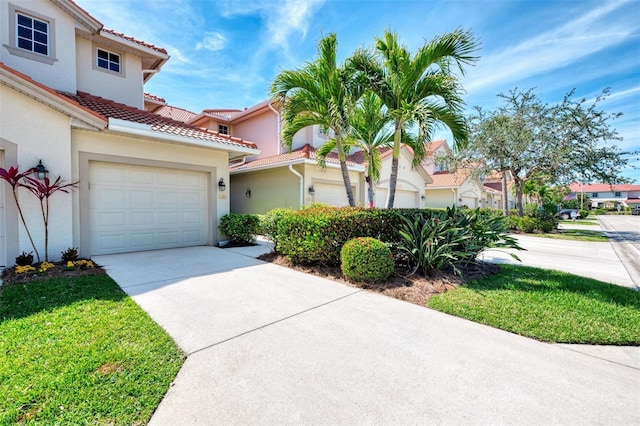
[[455, 197], [278, 124], [301, 184]]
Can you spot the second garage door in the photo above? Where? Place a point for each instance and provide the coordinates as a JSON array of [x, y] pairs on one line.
[[135, 208]]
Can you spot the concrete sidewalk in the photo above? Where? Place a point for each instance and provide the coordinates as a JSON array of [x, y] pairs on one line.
[[268, 345]]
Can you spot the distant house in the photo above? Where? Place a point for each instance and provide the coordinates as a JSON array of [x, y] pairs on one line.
[[72, 96], [461, 188], [603, 195]]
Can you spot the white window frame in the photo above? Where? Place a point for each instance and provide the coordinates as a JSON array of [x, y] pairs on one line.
[[13, 48], [109, 61]]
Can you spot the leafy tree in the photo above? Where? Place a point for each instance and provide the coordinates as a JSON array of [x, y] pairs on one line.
[[369, 131], [320, 93], [419, 90], [533, 140]]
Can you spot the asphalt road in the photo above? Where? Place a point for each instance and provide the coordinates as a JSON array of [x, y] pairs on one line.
[[624, 235]]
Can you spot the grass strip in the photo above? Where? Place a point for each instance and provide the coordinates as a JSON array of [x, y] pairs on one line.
[[549, 306], [78, 351], [575, 235]]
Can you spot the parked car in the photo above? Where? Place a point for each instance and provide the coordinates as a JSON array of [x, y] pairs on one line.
[[636, 211], [567, 214]]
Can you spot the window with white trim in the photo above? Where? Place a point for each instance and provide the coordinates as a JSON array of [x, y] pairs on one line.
[[222, 129], [108, 60], [32, 34]]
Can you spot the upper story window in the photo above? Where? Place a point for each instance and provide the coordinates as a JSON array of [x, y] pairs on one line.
[[594, 195], [617, 194], [32, 34], [108, 60], [222, 129]]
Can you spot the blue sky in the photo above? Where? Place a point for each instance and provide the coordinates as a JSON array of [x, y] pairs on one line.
[[225, 53]]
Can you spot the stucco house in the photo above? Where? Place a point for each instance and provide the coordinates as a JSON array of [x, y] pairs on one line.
[[603, 195], [71, 96], [459, 188], [277, 177]]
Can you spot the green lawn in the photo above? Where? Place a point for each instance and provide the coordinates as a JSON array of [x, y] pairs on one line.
[[549, 306], [80, 351], [575, 235], [588, 221]]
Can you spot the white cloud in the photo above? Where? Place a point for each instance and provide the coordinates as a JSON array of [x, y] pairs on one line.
[[553, 49], [213, 41]]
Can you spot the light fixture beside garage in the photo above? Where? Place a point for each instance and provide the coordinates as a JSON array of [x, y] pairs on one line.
[[311, 190], [41, 171], [221, 185], [248, 193]]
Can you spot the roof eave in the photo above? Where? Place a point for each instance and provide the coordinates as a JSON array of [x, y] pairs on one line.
[[357, 169], [146, 131]]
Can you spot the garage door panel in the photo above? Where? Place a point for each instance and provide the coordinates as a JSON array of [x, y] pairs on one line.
[[145, 208]]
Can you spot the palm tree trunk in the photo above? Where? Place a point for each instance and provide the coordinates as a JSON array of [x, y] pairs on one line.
[[393, 179], [345, 172], [370, 192]]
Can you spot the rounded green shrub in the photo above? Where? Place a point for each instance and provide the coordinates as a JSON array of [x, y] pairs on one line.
[[584, 214], [240, 228], [527, 224], [545, 225], [366, 259]]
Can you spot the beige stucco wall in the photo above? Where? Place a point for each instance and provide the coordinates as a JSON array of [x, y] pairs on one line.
[[88, 146], [261, 129], [61, 74], [36, 132], [409, 179], [271, 188], [126, 87]]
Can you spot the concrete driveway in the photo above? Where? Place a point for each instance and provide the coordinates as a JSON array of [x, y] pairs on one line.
[[267, 345]]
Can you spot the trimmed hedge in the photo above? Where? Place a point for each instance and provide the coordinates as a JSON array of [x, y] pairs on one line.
[[240, 228], [366, 259]]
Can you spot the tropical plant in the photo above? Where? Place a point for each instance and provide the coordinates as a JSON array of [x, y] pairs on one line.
[[418, 90], [16, 180], [43, 190], [369, 132], [320, 93]]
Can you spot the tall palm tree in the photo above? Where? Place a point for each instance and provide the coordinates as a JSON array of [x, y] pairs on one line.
[[320, 93], [421, 90], [369, 132]]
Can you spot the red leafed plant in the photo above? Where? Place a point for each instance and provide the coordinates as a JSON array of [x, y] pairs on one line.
[[43, 190], [15, 179]]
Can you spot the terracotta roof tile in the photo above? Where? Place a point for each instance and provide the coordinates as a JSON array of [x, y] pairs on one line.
[[136, 41], [434, 145], [603, 187], [111, 109], [175, 113], [306, 152], [154, 98], [448, 179]]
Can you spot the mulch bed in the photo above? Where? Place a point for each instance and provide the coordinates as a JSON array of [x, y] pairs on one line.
[[414, 288], [10, 277]]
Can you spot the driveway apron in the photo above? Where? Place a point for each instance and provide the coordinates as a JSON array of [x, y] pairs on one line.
[[268, 345]]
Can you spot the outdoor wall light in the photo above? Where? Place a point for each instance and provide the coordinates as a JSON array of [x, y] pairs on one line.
[[459, 200], [248, 192], [311, 190], [422, 197], [221, 185], [41, 171]]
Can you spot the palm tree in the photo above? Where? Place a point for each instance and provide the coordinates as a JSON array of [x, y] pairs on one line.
[[369, 131], [320, 93], [420, 90]]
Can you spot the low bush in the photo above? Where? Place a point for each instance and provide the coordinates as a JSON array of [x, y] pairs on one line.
[[25, 259], [527, 224], [366, 259], [270, 221], [70, 255], [600, 211], [240, 228], [584, 214]]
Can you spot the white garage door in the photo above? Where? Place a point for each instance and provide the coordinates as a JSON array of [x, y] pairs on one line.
[[331, 194], [403, 199], [134, 208]]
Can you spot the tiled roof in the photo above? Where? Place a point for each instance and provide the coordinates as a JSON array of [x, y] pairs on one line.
[[306, 152], [48, 89], [175, 113], [603, 187], [154, 98], [111, 109], [447, 179], [136, 41], [227, 114], [434, 145]]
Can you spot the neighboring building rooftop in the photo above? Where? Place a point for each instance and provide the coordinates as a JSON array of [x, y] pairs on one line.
[[175, 113], [603, 187], [110, 109], [304, 153], [447, 179]]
